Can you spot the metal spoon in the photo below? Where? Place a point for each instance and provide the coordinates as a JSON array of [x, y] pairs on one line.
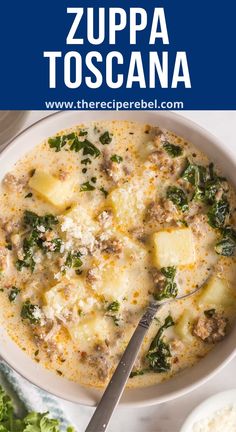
[[115, 388]]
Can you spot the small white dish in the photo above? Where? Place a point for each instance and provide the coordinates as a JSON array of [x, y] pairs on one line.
[[208, 407]]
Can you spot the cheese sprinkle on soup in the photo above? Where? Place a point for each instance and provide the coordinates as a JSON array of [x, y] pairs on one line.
[[96, 222]]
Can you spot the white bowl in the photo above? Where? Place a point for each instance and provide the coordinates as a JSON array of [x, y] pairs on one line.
[[188, 379], [208, 407]]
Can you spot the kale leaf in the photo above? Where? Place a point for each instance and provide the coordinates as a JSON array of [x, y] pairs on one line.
[[113, 307], [159, 357], [172, 149], [209, 313], [83, 132], [25, 263], [104, 191], [169, 288], [115, 319], [29, 195], [90, 149], [74, 143], [178, 197], [212, 185], [86, 161], [211, 189], [206, 186], [73, 260], [205, 181], [226, 246], [13, 293], [87, 147], [86, 187], [217, 213], [57, 143], [138, 372], [193, 173], [105, 138], [33, 220], [54, 245], [159, 353], [116, 158], [29, 244], [33, 240], [31, 312]]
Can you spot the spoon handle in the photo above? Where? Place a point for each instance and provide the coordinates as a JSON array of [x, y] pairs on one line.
[[115, 388]]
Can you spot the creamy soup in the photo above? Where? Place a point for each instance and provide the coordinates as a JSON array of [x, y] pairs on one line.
[[95, 223]]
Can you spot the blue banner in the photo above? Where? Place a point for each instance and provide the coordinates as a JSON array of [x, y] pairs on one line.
[[117, 54]]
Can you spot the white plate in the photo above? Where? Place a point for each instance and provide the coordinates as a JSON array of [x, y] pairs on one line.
[[188, 379], [209, 407]]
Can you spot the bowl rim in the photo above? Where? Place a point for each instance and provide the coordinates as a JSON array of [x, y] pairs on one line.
[[134, 404], [182, 121], [181, 118]]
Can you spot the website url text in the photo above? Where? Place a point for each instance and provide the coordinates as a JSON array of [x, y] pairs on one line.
[[114, 105]]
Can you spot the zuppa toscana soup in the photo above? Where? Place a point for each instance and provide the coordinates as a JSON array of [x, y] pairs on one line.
[[95, 223]]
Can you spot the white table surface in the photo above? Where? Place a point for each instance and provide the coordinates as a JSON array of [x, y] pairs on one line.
[[167, 417]]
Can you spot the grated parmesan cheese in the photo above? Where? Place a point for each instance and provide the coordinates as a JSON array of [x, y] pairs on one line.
[[67, 224], [73, 230], [38, 315], [87, 304], [41, 228], [58, 276], [223, 420], [49, 312]]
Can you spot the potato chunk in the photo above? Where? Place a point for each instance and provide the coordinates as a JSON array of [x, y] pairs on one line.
[[114, 282], [50, 188], [82, 216], [183, 326], [114, 277], [174, 247], [129, 200], [88, 331], [62, 296], [125, 206], [217, 292]]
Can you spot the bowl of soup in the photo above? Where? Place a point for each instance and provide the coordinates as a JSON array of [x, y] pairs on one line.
[[102, 213]]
